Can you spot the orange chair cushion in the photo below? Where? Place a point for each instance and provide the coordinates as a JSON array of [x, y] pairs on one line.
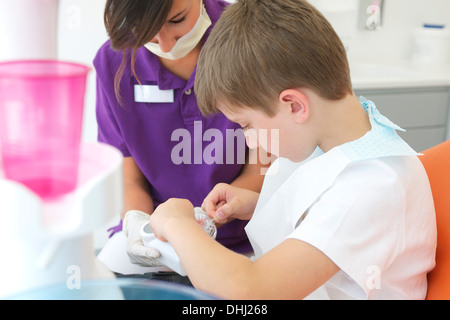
[[436, 161]]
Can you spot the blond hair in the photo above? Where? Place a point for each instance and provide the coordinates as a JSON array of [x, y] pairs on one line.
[[259, 48]]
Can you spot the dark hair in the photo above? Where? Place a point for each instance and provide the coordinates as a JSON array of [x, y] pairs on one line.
[[131, 24], [259, 48]]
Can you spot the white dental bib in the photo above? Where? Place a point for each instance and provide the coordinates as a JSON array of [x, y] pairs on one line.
[[290, 189], [279, 205]]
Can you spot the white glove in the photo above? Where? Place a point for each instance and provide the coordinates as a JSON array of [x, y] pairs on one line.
[[137, 252]]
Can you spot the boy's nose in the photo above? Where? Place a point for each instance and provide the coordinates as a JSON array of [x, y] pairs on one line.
[[251, 138]]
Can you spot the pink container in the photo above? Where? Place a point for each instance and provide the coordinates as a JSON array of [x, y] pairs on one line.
[[41, 112]]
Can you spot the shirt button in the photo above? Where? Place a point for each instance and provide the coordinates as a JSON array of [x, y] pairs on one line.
[[188, 92]]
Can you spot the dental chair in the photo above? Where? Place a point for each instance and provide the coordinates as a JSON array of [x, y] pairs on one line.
[[436, 161]]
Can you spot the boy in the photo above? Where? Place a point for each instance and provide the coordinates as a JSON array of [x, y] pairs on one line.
[[346, 211]]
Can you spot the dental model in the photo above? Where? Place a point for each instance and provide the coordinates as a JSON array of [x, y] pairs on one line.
[[168, 255]]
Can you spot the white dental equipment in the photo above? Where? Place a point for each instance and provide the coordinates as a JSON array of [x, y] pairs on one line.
[[51, 242], [28, 29]]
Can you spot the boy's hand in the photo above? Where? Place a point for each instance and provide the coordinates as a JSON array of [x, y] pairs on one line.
[[226, 202], [178, 210]]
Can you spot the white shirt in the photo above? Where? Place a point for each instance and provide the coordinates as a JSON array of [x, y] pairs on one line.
[[370, 211]]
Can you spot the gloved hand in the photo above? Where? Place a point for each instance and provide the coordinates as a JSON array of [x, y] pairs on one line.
[[137, 252]]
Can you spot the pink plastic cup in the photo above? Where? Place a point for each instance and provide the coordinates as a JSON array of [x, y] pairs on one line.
[[41, 112]]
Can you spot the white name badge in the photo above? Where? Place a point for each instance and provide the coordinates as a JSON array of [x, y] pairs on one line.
[[152, 94]]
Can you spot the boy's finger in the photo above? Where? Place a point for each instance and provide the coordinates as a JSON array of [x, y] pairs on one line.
[[209, 207], [224, 212]]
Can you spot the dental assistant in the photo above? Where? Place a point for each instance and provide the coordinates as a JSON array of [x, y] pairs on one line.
[[145, 93]]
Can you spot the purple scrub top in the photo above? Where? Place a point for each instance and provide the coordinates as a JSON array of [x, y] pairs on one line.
[[144, 131]]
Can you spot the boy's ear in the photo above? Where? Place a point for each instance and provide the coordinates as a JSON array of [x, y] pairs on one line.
[[297, 104]]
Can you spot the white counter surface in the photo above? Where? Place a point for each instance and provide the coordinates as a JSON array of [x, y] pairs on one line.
[[397, 74]]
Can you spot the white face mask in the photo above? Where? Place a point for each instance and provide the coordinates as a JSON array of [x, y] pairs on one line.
[[186, 43]]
